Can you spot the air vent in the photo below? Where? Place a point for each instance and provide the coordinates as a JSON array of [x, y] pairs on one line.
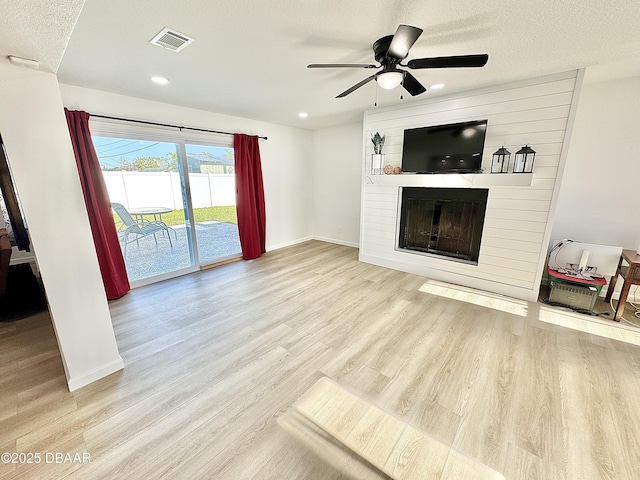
[[172, 40]]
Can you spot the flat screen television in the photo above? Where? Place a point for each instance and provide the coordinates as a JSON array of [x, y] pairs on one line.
[[453, 148]]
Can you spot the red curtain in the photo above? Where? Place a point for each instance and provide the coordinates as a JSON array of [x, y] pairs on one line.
[[249, 196], [96, 198]]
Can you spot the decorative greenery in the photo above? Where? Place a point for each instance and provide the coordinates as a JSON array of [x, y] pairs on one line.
[[378, 142]]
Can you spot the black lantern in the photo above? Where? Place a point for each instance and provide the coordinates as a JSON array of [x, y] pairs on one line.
[[500, 161], [524, 160]]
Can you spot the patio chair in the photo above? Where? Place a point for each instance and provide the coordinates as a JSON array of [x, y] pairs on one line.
[[140, 228]]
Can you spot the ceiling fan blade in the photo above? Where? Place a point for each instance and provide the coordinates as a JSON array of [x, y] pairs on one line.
[[357, 86], [403, 40], [342, 65], [459, 61], [412, 85]]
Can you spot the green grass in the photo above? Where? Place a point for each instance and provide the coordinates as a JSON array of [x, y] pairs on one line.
[[221, 214]]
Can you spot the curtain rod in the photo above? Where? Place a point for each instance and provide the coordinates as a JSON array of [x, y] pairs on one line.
[[181, 127]]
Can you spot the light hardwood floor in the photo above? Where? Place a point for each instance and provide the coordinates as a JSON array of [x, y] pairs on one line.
[[215, 358]]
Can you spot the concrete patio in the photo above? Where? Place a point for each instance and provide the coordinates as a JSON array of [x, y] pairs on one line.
[[216, 241]]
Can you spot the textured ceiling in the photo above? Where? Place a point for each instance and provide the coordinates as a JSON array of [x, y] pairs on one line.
[[37, 29], [249, 58]]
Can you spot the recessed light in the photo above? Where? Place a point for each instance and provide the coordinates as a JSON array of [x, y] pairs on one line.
[[303, 115], [437, 86], [158, 80]]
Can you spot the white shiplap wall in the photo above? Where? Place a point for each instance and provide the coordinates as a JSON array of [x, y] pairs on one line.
[[538, 112]]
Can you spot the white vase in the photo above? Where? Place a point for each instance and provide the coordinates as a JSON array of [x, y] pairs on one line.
[[377, 162]]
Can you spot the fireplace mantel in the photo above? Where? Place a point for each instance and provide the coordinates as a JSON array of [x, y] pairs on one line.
[[452, 180], [520, 207]]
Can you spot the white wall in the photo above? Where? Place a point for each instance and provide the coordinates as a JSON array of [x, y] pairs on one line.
[[41, 157], [337, 173], [519, 214], [598, 197], [286, 159]]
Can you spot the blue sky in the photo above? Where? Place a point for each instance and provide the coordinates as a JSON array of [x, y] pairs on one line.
[[111, 150]]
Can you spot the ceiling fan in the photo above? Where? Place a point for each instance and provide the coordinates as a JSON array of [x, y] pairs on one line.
[[389, 51]]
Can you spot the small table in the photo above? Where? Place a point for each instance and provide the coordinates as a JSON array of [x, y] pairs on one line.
[[630, 275], [157, 212]]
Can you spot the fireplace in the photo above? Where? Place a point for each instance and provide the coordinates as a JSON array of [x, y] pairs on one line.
[[443, 222]]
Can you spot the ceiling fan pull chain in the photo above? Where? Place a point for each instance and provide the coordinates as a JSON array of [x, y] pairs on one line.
[[375, 103]]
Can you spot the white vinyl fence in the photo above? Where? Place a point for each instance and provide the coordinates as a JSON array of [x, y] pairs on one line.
[[162, 189]]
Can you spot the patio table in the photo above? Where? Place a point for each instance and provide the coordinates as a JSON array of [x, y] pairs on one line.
[[157, 212]]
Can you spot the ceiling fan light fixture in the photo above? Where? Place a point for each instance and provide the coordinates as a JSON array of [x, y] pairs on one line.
[[390, 80], [390, 50]]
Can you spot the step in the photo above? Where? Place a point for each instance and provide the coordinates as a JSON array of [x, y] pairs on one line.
[[396, 448]]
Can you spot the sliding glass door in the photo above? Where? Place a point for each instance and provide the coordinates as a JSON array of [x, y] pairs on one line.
[[173, 204], [212, 188]]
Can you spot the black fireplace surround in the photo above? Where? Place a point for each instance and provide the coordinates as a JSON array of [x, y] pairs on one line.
[[443, 221]]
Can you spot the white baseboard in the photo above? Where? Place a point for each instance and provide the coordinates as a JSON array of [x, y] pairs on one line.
[[288, 244], [18, 257], [338, 242], [306, 239], [86, 378]]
